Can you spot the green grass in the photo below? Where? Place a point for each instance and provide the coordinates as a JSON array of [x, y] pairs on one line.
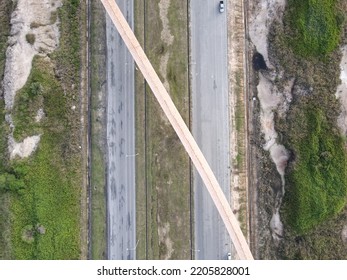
[[98, 165], [5, 252], [315, 26], [318, 183], [46, 187], [240, 115], [98, 209], [5, 226], [324, 243], [6, 7], [29, 100], [67, 55], [167, 164], [51, 193], [140, 141], [312, 211]]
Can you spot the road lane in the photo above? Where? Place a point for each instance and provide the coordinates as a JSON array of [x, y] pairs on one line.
[[210, 122], [121, 142]]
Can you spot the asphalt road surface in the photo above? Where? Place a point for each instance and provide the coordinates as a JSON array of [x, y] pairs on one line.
[[121, 142], [210, 122]]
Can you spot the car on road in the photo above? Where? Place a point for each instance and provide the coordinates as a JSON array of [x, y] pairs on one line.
[[229, 256], [221, 6]]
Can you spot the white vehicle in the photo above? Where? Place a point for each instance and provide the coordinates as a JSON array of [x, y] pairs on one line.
[[229, 256], [221, 6]]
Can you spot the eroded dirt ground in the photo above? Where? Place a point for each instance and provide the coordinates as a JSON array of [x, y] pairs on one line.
[[270, 95]]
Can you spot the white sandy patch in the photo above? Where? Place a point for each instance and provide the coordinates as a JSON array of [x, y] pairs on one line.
[[341, 92], [20, 53], [163, 70], [271, 100], [266, 11], [166, 37], [25, 148], [344, 234], [30, 17], [276, 225], [39, 115], [163, 233]]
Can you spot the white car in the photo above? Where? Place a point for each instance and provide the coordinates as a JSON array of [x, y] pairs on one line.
[[221, 6], [229, 256]]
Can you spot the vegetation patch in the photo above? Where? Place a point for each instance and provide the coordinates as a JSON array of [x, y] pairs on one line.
[[314, 204], [315, 26], [30, 37], [167, 174], [31, 98], [6, 7], [47, 187], [318, 182], [40, 195], [98, 125]]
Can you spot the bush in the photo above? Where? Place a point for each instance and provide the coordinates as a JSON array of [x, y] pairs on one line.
[[35, 89], [30, 38], [9, 182]]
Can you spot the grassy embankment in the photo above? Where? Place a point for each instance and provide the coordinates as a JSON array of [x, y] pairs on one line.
[[165, 160], [237, 109], [5, 250], [98, 164], [45, 195], [140, 140], [239, 165], [313, 206]]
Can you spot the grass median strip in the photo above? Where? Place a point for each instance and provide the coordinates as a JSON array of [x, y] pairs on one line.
[[98, 124], [164, 159]]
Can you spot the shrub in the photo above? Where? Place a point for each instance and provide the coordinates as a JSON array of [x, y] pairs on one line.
[[30, 38], [9, 182]]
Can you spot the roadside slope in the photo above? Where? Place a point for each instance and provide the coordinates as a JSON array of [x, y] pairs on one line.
[[45, 188]]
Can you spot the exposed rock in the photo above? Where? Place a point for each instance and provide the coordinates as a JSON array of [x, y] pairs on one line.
[[25, 148], [271, 99], [33, 32], [341, 92], [344, 234], [266, 12], [20, 53], [40, 229]]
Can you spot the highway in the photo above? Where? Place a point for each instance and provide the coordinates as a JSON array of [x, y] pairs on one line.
[[210, 122], [121, 220]]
